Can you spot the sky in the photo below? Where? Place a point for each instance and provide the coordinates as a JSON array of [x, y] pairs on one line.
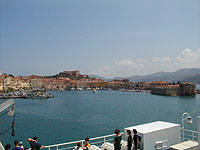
[[109, 38]]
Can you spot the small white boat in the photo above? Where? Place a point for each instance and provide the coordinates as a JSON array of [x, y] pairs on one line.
[[94, 91]]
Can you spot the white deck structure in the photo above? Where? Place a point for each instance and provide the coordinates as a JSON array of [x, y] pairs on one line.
[[187, 145], [153, 133], [157, 135]]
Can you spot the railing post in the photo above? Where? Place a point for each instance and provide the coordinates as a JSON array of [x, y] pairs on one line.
[[49, 148], [192, 136], [181, 134], [56, 147], [198, 118], [104, 139]]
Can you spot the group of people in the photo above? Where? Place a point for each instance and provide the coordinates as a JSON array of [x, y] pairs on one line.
[[117, 142], [131, 141], [85, 147], [19, 145]]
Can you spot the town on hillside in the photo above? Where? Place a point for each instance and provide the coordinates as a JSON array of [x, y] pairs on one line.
[[37, 86]]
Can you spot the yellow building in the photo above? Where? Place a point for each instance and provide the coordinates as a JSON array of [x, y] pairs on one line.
[[25, 84], [1, 85], [9, 84]]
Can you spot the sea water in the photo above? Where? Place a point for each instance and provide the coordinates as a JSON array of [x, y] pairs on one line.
[[74, 115]]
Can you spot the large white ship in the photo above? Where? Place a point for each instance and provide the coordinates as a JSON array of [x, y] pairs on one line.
[[158, 135]]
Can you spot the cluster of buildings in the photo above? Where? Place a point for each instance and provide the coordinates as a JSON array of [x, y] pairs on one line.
[[67, 80], [9, 83], [73, 80]]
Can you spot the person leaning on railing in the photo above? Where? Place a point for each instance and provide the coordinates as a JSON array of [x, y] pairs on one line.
[[17, 145], [78, 147], [87, 144], [34, 144]]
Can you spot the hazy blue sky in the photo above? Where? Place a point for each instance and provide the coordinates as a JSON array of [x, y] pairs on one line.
[[103, 37]]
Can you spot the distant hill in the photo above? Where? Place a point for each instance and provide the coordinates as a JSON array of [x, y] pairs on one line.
[[187, 74], [99, 77], [195, 79], [159, 76]]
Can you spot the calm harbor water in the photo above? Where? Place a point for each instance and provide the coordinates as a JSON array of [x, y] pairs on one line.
[[74, 115]]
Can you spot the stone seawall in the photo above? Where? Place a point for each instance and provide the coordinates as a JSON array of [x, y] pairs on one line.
[[185, 89], [166, 91]]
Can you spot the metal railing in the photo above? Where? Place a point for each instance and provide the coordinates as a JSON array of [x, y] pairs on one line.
[[1, 147], [98, 141], [189, 135]]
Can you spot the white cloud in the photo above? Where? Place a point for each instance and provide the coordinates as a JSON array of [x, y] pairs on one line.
[[166, 59], [125, 63], [106, 68], [141, 60], [128, 64], [141, 65], [186, 59], [156, 59], [162, 60], [120, 68]]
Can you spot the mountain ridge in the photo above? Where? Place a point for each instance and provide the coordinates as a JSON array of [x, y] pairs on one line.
[[185, 74]]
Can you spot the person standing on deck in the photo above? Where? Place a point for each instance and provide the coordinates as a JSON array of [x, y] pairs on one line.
[[129, 139], [117, 140], [34, 144], [136, 140]]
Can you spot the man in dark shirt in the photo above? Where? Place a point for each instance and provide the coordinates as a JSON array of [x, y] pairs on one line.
[[129, 139], [136, 140], [117, 140], [34, 144]]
